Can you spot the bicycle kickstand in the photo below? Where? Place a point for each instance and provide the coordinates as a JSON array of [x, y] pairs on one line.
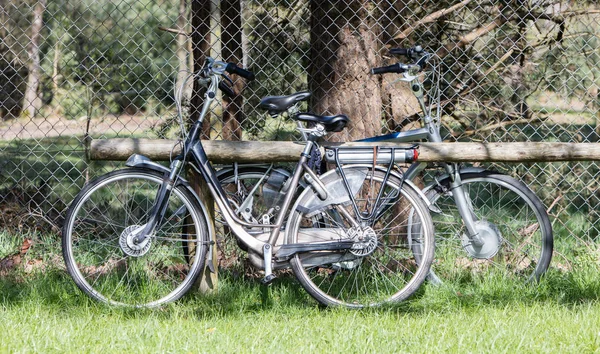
[[268, 259]]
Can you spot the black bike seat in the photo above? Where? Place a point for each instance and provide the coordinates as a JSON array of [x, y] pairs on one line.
[[279, 104], [331, 123]]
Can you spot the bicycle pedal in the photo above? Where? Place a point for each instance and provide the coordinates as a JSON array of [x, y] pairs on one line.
[[268, 279]]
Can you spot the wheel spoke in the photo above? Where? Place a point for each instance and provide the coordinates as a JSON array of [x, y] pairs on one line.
[[99, 234], [371, 276]]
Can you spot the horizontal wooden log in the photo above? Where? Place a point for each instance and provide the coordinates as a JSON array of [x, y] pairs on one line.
[[220, 151]]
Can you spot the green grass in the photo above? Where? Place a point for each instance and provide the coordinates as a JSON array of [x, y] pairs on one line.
[[43, 311]]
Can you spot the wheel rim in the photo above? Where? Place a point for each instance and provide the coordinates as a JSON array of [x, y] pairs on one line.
[[99, 233], [386, 273], [510, 227]]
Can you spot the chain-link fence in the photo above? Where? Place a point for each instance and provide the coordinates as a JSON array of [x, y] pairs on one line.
[[75, 70]]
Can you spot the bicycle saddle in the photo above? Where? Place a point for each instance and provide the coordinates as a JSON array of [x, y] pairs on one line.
[[278, 104], [331, 123]]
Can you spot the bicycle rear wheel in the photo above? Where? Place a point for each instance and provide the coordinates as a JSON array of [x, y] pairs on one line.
[[97, 240], [391, 256], [254, 191], [511, 220]]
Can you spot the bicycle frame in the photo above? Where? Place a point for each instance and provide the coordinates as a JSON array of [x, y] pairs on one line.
[[194, 152], [431, 132]]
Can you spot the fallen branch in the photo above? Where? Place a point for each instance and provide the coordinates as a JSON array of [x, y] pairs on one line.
[[176, 31]]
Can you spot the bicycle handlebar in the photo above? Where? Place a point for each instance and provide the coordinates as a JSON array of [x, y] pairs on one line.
[[234, 69], [412, 53], [416, 53], [396, 68], [216, 68]]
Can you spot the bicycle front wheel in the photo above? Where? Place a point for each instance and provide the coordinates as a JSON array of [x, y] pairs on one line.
[[97, 240], [391, 256], [510, 220]]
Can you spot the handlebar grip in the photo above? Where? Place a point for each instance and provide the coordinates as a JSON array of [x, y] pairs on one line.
[[227, 91], [413, 52], [396, 68], [234, 69], [399, 51]]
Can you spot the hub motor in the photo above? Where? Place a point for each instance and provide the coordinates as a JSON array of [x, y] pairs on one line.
[[126, 241], [490, 237]]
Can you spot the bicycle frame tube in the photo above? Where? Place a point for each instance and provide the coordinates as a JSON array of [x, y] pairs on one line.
[[431, 132], [193, 147], [235, 223]]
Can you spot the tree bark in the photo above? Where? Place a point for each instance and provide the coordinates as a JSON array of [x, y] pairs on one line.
[[223, 151], [201, 11], [182, 50], [231, 51], [56, 66], [200, 46], [344, 46], [32, 101]]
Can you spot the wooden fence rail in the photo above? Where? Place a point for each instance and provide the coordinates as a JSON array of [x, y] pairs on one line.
[[220, 151]]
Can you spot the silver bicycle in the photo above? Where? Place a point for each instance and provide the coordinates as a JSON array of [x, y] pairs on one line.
[[487, 223], [358, 235]]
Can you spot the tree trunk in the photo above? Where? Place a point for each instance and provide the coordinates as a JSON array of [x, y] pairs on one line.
[[518, 80], [231, 51], [182, 50], [346, 42], [344, 46], [200, 46], [32, 101], [55, 66], [201, 31]]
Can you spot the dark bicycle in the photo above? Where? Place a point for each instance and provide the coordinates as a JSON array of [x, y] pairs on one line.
[[358, 235]]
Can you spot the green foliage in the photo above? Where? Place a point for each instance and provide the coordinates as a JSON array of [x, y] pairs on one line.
[[112, 51], [74, 103]]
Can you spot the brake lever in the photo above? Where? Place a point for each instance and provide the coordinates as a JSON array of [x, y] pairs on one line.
[[228, 79], [411, 74], [202, 78]]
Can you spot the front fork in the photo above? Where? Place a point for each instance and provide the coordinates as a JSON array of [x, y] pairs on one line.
[[461, 199], [161, 202], [463, 204]]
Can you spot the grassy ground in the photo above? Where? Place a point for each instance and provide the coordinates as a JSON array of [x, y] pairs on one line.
[[41, 310]]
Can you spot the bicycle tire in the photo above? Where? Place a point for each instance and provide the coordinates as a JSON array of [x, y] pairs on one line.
[[387, 271], [101, 261], [511, 219]]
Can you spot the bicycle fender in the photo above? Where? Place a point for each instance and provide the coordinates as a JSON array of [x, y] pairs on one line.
[[141, 161], [309, 201], [408, 182], [462, 170], [230, 168]]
